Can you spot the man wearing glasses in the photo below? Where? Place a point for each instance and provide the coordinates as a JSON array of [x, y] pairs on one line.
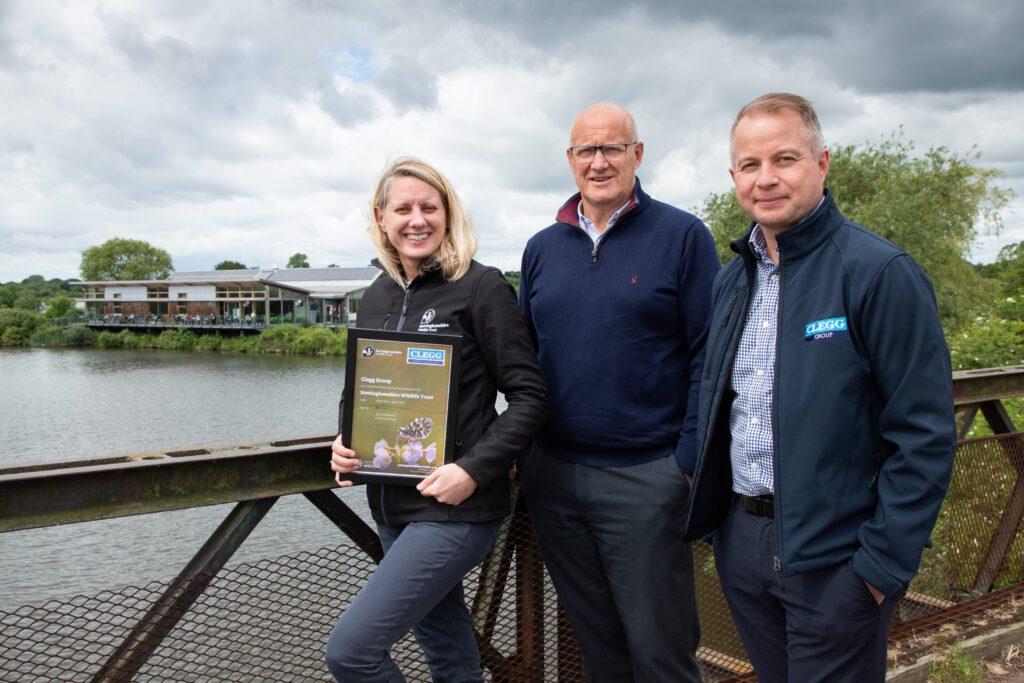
[[616, 293]]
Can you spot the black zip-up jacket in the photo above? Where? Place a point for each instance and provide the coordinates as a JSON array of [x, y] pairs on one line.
[[497, 355], [862, 406]]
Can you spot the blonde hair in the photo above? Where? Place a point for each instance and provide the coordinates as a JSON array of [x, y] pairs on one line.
[[459, 245], [774, 102]]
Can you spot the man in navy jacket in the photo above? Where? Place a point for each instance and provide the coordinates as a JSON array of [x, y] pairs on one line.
[[826, 414], [616, 293]]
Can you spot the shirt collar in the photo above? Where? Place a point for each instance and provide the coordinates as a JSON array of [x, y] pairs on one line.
[[757, 240], [591, 229]]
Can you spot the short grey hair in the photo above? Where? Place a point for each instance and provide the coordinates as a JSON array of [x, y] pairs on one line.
[[774, 102]]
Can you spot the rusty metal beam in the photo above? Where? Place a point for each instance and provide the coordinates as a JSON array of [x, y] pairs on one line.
[[167, 611], [992, 384], [997, 417], [59, 493], [348, 521], [1010, 519]]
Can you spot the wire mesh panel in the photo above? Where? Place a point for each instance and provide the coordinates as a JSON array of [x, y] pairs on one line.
[[269, 621]]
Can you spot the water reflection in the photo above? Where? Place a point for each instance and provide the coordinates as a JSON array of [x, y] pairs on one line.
[[69, 404]]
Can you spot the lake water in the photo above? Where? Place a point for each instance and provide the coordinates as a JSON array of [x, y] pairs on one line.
[[69, 404]]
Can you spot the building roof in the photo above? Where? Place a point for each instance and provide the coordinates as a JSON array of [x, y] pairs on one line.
[[319, 282], [326, 274]]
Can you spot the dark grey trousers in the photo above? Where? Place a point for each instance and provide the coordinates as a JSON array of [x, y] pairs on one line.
[[612, 540], [417, 585], [816, 627]]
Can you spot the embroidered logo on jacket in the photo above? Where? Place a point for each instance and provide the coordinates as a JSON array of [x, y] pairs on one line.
[[829, 328], [427, 323]]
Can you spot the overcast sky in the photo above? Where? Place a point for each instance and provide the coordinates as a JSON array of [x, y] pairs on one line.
[[249, 130]]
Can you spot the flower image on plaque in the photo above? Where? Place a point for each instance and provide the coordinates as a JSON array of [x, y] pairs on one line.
[[400, 403]]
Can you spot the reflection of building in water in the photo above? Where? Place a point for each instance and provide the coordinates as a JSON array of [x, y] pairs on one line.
[[254, 297]]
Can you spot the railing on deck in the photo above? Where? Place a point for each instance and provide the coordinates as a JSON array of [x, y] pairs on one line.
[[268, 621]]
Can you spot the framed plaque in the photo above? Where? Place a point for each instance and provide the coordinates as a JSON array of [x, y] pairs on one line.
[[400, 400]]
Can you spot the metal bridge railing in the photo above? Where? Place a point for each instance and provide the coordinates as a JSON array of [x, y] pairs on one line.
[[268, 621]]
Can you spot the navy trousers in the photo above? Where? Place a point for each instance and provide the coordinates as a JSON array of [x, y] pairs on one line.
[[418, 585], [612, 540], [817, 626]]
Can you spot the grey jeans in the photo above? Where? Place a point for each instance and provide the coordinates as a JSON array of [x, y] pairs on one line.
[[418, 585]]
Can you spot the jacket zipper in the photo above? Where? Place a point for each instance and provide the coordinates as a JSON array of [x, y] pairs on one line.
[[398, 326], [775, 426], [596, 247], [405, 306]]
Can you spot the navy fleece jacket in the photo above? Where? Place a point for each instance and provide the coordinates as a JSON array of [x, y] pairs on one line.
[[620, 330]]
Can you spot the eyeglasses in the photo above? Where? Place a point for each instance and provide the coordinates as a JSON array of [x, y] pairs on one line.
[[586, 153]]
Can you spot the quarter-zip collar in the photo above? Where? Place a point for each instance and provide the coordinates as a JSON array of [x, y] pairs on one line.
[[569, 213]]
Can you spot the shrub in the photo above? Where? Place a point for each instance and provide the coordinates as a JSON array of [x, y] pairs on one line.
[[79, 335], [175, 340], [60, 306], [18, 325], [317, 340], [988, 343], [49, 335], [207, 342], [108, 340], [239, 344], [130, 340], [279, 339]]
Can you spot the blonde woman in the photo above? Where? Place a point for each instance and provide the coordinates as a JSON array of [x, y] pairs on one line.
[[434, 533]]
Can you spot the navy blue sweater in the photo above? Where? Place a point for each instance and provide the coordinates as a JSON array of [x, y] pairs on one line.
[[620, 331]]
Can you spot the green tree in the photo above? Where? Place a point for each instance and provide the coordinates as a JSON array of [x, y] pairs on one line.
[[27, 300], [932, 205], [298, 260], [513, 279], [8, 295], [122, 259], [230, 265], [60, 306], [1008, 269]]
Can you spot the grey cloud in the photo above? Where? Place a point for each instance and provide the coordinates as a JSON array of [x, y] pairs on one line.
[[347, 109], [873, 45], [408, 83]]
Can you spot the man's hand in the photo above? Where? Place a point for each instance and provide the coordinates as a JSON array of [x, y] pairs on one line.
[[875, 593], [448, 484], [343, 461]]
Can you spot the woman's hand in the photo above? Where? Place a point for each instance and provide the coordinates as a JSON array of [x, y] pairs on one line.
[[343, 461], [448, 484]]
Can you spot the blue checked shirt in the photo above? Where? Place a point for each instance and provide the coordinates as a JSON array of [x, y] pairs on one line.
[[753, 378]]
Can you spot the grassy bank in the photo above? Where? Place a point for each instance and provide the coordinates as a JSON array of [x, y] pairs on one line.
[[23, 328]]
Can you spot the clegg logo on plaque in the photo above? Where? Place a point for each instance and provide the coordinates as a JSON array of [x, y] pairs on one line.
[[415, 356], [400, 398]]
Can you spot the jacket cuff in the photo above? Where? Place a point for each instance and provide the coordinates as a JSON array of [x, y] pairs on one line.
[[686, 454], [871, 571]]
